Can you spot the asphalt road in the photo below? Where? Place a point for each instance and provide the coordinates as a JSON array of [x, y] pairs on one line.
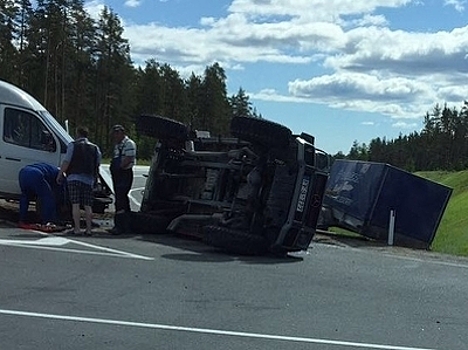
[[168, 292]]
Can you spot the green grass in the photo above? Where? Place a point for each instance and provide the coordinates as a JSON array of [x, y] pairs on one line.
[[452, 235]]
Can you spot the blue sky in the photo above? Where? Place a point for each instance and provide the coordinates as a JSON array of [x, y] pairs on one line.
[[341, 70]]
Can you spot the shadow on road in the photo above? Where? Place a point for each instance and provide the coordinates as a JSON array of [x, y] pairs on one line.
[[205, 253], [197, 251]]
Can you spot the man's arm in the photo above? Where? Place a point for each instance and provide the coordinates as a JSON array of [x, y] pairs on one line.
[[129, 154], [65, 163]]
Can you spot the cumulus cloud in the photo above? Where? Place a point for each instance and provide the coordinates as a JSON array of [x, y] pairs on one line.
[[94, 8], [459, 5], [133, 3], [306, 10], [393, 96], [370, 65], [404, 125], [399, 52]]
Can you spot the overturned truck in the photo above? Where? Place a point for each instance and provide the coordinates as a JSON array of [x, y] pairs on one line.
[[257, 192]]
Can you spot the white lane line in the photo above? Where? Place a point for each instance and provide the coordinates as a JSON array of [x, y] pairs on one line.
[[51, 243], [114, 251], [209, 331], [133, 199], [75, 251]]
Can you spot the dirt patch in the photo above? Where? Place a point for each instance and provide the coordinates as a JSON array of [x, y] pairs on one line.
[[361, 242]]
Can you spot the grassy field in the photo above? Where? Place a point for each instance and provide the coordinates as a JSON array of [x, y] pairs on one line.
[[452, 235]]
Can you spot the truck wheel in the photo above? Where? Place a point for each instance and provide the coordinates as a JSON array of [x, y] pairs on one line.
[[235, 242], [260, 131], [145, 223], [161, 127]]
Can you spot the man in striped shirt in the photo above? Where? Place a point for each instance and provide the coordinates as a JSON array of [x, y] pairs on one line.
[[121, 169]]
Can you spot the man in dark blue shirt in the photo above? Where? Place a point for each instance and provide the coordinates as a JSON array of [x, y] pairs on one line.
[[37, 181]]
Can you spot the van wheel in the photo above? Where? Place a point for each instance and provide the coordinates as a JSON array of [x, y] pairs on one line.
[[161, 127], [260, 131], [236, 242]]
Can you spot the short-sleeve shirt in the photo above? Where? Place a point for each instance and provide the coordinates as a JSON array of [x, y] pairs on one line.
[[126, 148]]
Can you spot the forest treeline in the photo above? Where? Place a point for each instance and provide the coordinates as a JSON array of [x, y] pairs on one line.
[[81, 70], [442, 144]]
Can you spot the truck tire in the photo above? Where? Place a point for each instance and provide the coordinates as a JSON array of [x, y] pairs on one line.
[[236, 242], [161, 127], [260, 131], [145, 223]]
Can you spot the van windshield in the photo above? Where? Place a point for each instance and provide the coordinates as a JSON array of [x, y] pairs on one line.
[[50, 120]]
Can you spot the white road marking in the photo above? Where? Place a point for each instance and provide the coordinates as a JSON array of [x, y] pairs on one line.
[[47, 241], [209, 331], [113, 251], [133, 199], [52, 243]]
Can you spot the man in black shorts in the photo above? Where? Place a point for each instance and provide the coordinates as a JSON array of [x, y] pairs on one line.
[[81, 166]]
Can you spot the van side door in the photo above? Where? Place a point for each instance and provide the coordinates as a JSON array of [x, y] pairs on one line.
[[25, 139]]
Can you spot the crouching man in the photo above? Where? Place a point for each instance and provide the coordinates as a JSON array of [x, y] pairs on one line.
[[37, 182]]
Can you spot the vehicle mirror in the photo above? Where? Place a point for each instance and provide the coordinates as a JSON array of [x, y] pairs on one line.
[[47, 141]]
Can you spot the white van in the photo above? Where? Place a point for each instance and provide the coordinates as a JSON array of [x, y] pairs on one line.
[[30, 134]]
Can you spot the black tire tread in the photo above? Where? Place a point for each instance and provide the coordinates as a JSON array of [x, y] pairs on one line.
[[161, 127], [261, 131], [233, 241]]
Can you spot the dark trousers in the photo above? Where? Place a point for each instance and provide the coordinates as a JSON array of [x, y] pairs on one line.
[[33, 184], [122, 181]]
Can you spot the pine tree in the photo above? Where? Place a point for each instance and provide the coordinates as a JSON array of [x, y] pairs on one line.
[[8, 33]]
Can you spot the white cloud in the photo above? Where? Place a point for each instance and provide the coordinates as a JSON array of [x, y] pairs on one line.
[[94, 8], [368, 20], [133, 3], [393, 96], [225, 44], [373, 48], [459, 5], [371, 67], [274, 96], [404, 125], [318, 10]]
